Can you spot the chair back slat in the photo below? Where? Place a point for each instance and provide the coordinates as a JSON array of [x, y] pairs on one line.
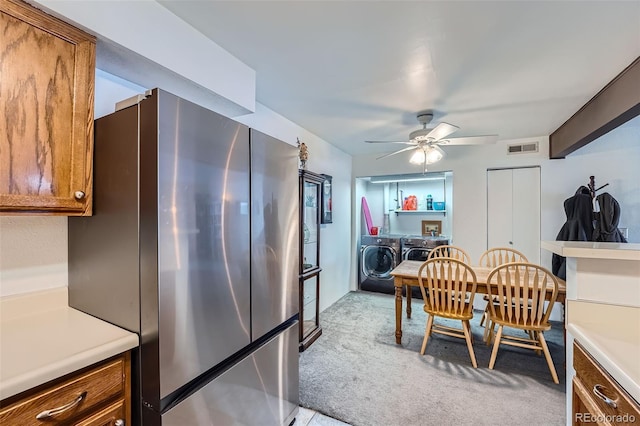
[[500, 255], [539, 295], [450, 251], [448, 286], [522, 276], [521, 291], [501, 296]]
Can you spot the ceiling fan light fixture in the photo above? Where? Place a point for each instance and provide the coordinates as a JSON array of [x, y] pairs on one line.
[[433, 154], [418, 157], [427, 154]]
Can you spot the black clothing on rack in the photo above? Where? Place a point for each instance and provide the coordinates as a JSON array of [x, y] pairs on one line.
[[606, 228], [578, 227], [583, 224]]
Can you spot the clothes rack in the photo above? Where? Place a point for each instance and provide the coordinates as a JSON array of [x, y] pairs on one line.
[[592, 186], [590, 217]]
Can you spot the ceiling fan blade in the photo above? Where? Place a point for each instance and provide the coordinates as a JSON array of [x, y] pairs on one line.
[[404, 142], [442, 130], [471, 140], [397, 152]]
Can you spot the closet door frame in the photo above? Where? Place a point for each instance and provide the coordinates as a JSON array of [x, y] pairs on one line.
[[524, 200]]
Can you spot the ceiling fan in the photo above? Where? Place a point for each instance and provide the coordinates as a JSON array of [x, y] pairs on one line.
[[426, 142]]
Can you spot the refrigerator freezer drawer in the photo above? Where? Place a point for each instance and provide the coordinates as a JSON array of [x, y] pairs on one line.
[[262, 389]]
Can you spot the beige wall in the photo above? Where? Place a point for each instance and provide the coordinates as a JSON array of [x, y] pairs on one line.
[[33, 253]]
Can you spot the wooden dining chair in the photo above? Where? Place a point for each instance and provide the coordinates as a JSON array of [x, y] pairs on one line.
[[499, 256], [448, 287], [520, 290], [495, 257], [450, 251]]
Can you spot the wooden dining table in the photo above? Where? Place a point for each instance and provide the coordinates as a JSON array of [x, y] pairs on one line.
[[406, 274]]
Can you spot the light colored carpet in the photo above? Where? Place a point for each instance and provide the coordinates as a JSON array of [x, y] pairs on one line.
[[356, 373]]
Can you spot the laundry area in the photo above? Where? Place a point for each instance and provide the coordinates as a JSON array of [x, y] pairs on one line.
[[403, 217]]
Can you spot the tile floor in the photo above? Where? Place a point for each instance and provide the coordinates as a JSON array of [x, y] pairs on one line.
[[308, 417]]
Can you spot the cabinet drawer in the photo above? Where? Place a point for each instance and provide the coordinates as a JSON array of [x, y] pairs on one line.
[[596, 380], [102, 383], [585, 409], [107, 417]]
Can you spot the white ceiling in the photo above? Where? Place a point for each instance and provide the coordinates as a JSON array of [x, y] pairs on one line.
[[350, 71]]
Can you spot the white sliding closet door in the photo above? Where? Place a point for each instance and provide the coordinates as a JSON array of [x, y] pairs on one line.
[[499, 205], [513, 210]]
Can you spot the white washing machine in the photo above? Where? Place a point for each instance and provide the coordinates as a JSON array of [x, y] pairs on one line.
[[379, 255]]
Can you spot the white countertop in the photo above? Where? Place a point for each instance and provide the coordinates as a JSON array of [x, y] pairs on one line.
[[611, 335], [618, 251], [42, 338]]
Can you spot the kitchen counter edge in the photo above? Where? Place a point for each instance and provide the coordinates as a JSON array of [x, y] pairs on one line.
[[42, 339], [593, 250]]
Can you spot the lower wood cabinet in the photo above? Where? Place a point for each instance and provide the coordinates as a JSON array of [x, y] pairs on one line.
[[113, 415], [98, 395], [597, 397]]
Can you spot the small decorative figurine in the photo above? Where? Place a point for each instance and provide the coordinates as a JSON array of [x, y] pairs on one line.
[[303, 154]]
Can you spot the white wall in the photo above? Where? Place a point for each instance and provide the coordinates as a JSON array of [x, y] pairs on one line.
[[358, 228], [374, 196], [613, 158], [111, 90]]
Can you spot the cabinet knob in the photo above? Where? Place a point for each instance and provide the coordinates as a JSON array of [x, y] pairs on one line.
[[118, 422], [79, 195]]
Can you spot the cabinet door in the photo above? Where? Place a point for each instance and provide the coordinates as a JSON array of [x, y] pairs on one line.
[[46, 125], [310, 205], [311, 185]]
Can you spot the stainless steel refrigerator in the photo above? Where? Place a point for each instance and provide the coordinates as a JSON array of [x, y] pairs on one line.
[[194, 246]]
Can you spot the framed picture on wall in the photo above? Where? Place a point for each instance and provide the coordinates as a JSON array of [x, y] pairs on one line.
[[431, 227], [326, 212]]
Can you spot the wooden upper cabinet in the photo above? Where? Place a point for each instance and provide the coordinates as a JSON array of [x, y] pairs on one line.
[[47, 78]]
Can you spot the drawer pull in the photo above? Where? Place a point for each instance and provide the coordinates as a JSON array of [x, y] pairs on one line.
[[47, 414], [610, 402]]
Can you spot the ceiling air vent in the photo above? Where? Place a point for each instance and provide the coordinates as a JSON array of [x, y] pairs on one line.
[[522, 148]]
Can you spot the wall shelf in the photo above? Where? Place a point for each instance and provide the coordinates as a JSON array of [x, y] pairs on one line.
[[443, 212]]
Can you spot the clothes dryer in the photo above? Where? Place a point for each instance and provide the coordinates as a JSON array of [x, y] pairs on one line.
[[418, 247], [379, 255]]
